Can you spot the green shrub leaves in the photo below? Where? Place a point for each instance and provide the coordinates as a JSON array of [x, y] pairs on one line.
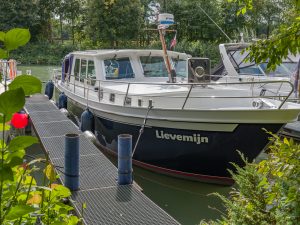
[[30, 84]]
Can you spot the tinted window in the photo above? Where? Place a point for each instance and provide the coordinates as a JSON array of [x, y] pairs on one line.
[[180, 67], [252, 70], [118, 68], [83, 67], [154, 66], [91, 70], [76, 69]]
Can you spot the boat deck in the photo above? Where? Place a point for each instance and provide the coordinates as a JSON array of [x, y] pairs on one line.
[[106, 201]]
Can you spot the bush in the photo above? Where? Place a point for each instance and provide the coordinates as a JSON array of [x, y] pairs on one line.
[[267, 192], [42, 53], [196, 49]]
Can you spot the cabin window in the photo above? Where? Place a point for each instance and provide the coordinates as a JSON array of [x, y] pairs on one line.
[[180, 67], [154, 66], [83, 67], [91, 72], [253, 70], [281, 70], [118, 68], [76, 69]]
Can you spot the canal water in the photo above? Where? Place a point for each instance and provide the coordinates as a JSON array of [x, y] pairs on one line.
[[189, 202]]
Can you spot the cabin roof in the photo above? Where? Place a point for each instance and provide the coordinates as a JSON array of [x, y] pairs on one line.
[[102, 52]]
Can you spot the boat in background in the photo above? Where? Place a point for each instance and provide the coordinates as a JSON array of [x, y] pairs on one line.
[[8, 71], [234, 68], [183, 125], [234, 64]]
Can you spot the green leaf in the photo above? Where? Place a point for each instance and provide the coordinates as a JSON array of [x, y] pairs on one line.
[[5, 127], [6, 173], [59, 223], [2, 36], [243, 10], [30, 84], [286, 141], [62, 191], [15, 158], [73, 220], [15, 38], [3, 54], [18, 211], [12, 101], [21, 142], [50, 173]]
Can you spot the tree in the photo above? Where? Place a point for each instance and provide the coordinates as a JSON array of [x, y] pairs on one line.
[[114, 20], [68, 12], [283, 40], [191, 21], [45, 12], [18, 13], [33, 14]]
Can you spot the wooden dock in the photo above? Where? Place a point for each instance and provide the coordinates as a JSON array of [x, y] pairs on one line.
[[107, 202]]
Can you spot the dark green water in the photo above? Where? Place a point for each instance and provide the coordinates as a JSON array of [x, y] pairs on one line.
[[187, 201]]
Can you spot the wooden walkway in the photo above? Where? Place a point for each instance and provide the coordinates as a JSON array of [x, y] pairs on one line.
[[107, 202]]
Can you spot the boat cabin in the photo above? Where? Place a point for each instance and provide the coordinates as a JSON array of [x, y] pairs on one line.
[[132, 66], [136, 65]]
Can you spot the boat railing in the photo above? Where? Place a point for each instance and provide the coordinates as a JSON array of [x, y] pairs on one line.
[[91, 85]]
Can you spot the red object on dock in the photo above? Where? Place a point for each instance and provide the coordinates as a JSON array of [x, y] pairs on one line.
[[19, 120]]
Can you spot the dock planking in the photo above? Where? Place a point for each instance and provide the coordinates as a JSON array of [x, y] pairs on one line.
[[107, 202]]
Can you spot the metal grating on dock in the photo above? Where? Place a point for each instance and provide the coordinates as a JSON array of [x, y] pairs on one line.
[[107, 202]]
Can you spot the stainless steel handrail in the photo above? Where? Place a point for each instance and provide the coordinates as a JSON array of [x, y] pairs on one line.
[[193, 85]]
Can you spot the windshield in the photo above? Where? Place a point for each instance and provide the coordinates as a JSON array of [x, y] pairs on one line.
[[118, 68], [242, 66], [280, 70], [180, 67], [154, 66]]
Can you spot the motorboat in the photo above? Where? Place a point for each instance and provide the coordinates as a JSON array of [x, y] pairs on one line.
[[182, 123], [235, 66]]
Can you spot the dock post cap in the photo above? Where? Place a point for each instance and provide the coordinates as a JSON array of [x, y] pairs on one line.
[[71, 135], [124, 136]]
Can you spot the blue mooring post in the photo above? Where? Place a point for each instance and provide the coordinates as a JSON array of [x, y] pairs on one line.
[[72, 161], [124, 159]]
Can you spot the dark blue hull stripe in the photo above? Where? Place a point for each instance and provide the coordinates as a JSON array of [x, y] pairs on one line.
[[187, 151]]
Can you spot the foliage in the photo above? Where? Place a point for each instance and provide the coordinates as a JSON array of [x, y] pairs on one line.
[[192, 23], [22, 201], [13, 39], [43, 53], [114, 20], [283, 40], [16, 13], [267, 192], [199, 49], [30, 84]]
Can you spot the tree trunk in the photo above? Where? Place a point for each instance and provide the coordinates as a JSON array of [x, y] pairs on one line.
[[61, 27], [73, 35]]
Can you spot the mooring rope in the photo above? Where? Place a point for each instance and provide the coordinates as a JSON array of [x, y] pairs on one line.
[[142, 128]]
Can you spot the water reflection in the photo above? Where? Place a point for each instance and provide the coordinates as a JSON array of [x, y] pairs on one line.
[[187, 201]]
